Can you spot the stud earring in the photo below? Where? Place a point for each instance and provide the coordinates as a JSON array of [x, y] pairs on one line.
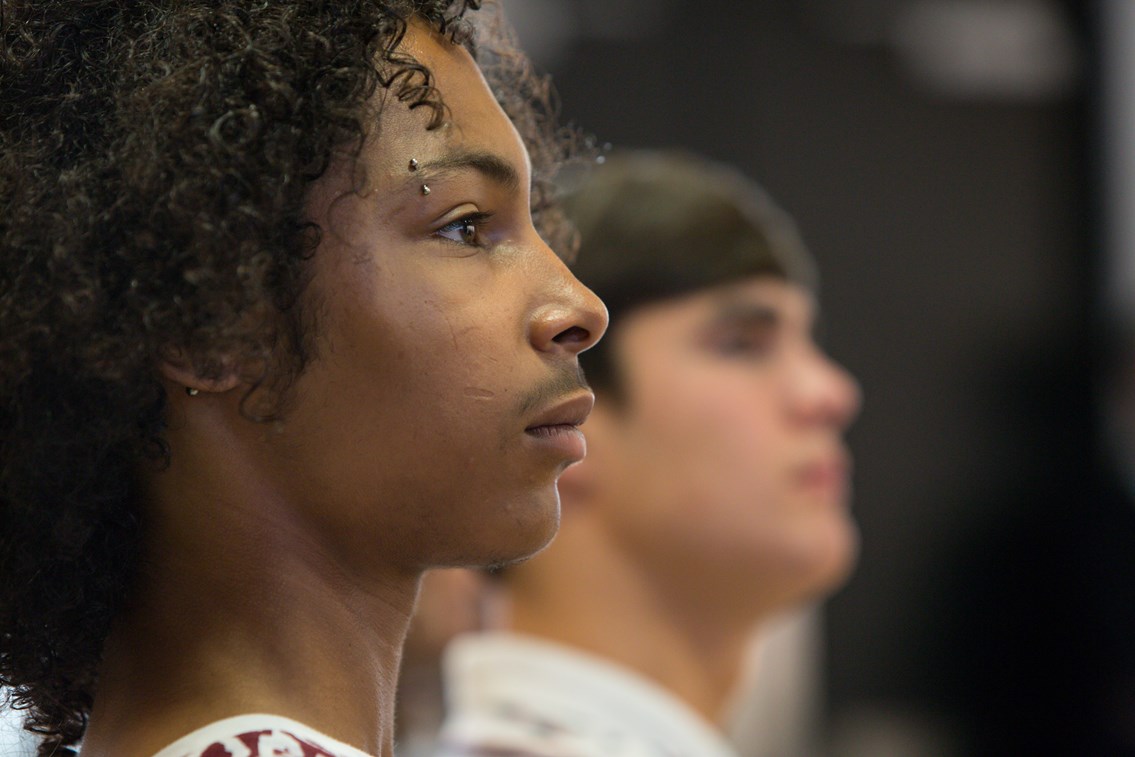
[[191, 391]]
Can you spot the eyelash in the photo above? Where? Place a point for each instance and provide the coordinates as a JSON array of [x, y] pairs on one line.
[[474, 221], [744, 345]]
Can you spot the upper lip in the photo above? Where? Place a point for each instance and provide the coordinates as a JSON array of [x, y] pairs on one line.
[[572, 411], [835, 464]]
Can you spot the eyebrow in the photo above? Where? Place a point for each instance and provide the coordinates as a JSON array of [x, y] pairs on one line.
[[488, 164], [747, 313]]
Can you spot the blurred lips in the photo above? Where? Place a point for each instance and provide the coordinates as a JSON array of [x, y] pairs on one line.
[[557, 426], [830, 474]]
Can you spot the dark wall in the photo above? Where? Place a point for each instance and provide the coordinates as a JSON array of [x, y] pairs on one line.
[[957, 256]]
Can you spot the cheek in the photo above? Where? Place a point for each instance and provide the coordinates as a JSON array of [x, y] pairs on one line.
[[455, 406], [712, 439], [450, 356], [408, 383]]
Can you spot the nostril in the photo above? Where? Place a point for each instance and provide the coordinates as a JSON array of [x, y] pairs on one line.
[[574, 335]]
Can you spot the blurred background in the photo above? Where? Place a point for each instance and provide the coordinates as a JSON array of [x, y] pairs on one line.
[[964, 170]]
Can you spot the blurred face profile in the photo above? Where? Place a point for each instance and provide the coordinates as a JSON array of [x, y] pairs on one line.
[[441, 406], [724, 467]]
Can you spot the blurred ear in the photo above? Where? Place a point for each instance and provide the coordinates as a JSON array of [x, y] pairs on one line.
[[178, 369]]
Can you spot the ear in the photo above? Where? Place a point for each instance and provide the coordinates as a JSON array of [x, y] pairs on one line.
[[178, 369]]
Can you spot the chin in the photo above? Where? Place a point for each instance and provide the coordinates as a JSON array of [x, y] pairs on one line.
[[511, 534], [803, 571], [831, 564]]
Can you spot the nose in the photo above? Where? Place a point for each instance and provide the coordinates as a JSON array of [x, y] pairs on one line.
[[572, 320], [827, 393]]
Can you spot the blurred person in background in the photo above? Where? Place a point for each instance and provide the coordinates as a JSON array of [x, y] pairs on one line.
[[716, 490]]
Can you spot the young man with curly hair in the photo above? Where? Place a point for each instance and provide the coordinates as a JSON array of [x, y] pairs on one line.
[[278, 333], [715, 491]]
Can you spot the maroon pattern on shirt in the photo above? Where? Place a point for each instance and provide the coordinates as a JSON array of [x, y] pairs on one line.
[[280, 744]]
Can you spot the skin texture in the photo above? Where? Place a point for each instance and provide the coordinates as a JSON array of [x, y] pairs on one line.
[[282, 563], [715, 494]]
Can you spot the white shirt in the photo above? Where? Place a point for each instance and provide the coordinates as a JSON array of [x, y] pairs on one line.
[[258, 736], [241, 736], [512, 695]]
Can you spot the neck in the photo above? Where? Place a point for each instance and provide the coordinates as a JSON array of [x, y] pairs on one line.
[[237, 610], [679, 642]]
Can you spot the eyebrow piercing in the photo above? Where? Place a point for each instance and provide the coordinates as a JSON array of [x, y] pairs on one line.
[[425, 189], [413, 164], [191, 391]]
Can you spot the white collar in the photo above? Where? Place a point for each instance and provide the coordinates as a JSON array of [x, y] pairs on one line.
[[278, 735], [571, 688]]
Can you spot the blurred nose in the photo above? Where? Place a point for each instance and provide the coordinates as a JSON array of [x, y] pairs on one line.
[[572, 320], [826, 393]]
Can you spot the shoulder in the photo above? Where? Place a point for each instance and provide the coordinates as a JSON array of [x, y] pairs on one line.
[[512, 695], [510, 729], [258, 736]]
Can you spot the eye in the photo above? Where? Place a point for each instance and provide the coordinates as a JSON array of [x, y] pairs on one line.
[[744, 345], [465, 230], [753, 342]]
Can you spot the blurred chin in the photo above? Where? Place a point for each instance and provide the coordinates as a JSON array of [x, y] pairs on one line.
[[830, 564], [789, 572]]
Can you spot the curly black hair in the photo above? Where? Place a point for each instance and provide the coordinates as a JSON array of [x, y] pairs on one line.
[[154, 159]]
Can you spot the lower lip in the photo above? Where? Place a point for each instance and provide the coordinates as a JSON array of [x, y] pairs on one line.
[[565, 439], [834, 484]]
